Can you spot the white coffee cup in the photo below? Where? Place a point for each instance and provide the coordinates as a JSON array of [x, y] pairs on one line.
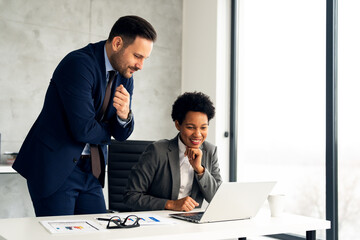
[[276, 204]]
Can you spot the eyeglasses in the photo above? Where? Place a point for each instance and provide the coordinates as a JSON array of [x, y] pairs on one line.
[[130, 221]]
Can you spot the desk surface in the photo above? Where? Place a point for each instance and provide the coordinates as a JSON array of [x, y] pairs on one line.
[[262, 224], [6, 168]]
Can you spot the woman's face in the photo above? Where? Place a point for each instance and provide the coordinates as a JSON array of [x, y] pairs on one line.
[[194, 129]]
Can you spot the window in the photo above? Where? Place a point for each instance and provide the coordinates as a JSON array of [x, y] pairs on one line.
[[281, 100], [349, 119]]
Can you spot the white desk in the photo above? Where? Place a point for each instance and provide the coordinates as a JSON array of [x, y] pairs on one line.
[[6, 168], [262, 224]]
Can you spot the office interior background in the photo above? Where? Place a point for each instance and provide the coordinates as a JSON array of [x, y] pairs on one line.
[[280, 75]]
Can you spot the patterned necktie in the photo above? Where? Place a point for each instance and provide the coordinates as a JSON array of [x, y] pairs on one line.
[[94, 149]]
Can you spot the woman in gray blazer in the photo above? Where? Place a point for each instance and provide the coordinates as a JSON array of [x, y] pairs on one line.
[[178, 174]]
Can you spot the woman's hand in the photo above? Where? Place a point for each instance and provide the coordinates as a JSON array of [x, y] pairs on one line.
[[184, 204], [194, 155]]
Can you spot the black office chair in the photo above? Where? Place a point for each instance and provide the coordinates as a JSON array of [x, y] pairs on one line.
[[121, 158]]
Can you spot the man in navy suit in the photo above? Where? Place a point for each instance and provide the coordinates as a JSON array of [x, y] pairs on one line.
[[55, 156]]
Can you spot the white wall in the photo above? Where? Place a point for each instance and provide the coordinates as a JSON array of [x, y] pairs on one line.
[[206, 64]]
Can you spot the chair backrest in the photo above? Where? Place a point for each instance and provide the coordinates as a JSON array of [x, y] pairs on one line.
[[121, 158]]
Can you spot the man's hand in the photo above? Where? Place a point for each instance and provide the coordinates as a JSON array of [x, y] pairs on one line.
[[184, 204], [121, 102], [194, 155]]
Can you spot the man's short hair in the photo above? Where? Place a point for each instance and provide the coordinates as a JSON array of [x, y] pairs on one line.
[[130, 27], [192, 101]]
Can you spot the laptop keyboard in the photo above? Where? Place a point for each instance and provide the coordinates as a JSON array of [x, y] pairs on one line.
[[195, 217]]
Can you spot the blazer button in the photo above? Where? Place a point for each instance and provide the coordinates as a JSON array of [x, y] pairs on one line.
[[74, 160]]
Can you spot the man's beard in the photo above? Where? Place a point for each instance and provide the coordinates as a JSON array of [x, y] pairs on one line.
[[116, 63]]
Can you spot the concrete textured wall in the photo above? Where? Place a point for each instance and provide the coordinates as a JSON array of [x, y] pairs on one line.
[[36, 34]]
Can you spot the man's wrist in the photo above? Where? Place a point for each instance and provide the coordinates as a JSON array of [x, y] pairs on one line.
[[128, 119]]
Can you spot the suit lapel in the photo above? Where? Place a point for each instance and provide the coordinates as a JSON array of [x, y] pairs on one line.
[[173, 156], [100, 82]]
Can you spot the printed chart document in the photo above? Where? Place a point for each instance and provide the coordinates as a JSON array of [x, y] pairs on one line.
[[72, 226], [151, 219]]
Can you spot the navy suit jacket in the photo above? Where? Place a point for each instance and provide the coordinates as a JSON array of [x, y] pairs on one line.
[[70, 119]]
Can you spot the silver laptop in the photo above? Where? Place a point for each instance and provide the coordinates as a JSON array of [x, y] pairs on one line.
[[232, 201]]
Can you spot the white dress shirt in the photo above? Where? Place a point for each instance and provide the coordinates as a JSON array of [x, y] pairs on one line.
[[186, 172]]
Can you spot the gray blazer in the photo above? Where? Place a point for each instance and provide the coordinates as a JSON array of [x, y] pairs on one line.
[[156, 177]]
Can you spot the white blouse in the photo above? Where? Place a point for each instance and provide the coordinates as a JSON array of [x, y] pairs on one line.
[[186, 172]]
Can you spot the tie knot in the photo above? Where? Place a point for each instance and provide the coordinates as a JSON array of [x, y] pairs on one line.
[[111, 75]]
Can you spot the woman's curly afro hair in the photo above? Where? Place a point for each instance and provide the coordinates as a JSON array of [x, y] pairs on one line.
[[192, 101]]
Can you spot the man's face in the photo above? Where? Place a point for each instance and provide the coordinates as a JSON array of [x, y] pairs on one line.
[[130, 59]]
